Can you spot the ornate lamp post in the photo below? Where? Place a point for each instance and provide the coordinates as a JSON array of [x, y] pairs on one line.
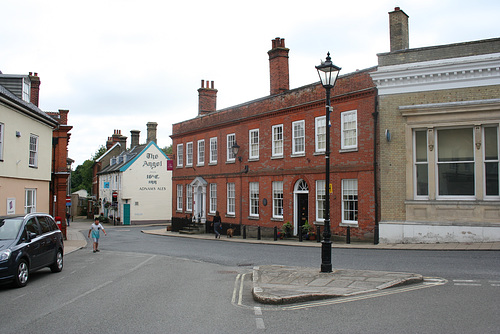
[[328, 74]]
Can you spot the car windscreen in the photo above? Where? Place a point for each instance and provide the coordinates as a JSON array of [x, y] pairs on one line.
[[9, 228]]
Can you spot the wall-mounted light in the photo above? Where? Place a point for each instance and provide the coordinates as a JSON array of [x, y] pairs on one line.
[[18, 134], [235, 149]]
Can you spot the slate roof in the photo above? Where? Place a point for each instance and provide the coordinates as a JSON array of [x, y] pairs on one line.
[[26, 107], [123, 159]]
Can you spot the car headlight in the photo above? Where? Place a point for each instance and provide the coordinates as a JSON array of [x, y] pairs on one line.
[[5, 255]]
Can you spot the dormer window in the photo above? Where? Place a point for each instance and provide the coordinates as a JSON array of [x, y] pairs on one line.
[[26, 90], [112, 161]]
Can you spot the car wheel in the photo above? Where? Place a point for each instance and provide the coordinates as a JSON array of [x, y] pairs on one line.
[[22, 274], [57, 266]]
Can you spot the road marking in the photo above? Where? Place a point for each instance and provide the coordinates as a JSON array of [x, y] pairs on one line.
[[240, 297], [466, 282], [260, 323], [431, 281], [235, 289], [257, 310], [19, 297]]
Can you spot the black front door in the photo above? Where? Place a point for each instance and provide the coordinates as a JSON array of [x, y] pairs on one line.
[[303, 213]]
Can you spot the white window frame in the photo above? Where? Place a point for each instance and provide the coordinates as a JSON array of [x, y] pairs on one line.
[[253, 144], [180, 197], [277, 199], [29, 200], [349, 188], [180, 155], [26, 90], [320, 134], [231, 199], [33, 150], [189, 154], [490, 161], [2, 130], [347, 131], [230, 140], [320, 200], [189, 198], [277, 140], [417, 164], [299, 137], [201, 152], [213, 198], [254, 199], [213, 150], [438, 163]]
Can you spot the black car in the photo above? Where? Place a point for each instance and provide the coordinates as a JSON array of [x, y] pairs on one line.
[[28, 243]]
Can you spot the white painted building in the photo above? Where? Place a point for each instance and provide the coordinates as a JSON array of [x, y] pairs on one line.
[[136, 187]]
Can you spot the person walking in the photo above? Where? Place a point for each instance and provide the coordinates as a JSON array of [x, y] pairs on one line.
[[95, 230], [217, 224]]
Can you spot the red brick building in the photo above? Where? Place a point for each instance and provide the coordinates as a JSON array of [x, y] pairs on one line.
[[59, 187], [278, 173]]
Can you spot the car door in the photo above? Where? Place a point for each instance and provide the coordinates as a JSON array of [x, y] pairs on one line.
[[35, 244], [49, 239]]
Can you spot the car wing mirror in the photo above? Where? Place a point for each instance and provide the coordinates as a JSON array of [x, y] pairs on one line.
[[31, 235]]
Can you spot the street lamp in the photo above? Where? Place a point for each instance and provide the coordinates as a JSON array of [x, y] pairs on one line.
[[328, 74]]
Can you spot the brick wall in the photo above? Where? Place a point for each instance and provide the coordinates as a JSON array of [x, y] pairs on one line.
[[354, 91]]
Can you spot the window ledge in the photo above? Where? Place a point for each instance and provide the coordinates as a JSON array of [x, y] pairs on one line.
[[275, 157], [347, 150], [298, 155]]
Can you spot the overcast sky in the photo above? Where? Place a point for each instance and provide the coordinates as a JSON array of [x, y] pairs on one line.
[[118, 64]]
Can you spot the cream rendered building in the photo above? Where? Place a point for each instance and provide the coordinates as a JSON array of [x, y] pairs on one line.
[[25, 154], [439, 140]]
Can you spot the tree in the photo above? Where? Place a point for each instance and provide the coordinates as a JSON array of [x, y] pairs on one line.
[[167, 149], [81, 177]]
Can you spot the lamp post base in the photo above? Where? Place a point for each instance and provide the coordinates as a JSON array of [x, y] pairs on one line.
[[326, 256]]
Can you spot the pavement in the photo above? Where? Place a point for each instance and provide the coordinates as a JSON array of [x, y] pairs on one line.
[[274, 284]]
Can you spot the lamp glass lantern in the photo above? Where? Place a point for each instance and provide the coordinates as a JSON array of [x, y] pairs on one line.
[[328, 72], [235, 148]]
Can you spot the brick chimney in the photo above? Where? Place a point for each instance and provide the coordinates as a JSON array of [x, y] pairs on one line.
[[398, 30], [134, 138], [278, 66], [63, 116], [151, 126], [207, 98], [123, 143], [109, 143], [35, 88]]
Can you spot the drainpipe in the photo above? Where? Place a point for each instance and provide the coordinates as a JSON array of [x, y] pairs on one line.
[[375, 170]]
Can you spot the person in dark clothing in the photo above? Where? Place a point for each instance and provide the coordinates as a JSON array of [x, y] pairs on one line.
[[217, 225]]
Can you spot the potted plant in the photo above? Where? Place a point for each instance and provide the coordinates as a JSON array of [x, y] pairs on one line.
[[287, 229], [305, 230]]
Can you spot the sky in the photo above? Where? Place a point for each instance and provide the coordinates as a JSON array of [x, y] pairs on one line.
[[119, 64]]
